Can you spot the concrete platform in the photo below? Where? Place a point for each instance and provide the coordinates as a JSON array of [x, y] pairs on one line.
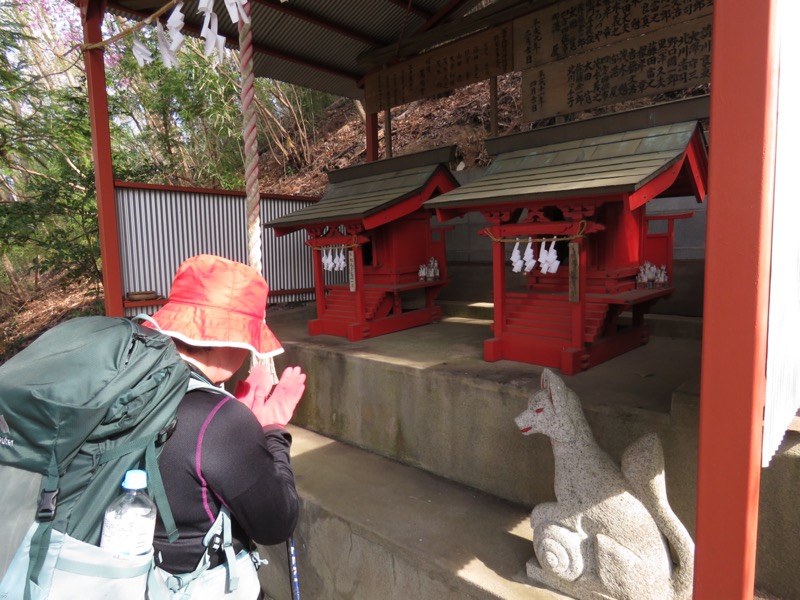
[[373, 528], [415, 482]]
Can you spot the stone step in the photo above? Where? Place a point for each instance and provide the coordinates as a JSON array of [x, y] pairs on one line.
[[374, 529]]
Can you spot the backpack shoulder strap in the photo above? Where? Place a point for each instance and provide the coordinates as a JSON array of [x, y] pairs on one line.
[[197, 382]]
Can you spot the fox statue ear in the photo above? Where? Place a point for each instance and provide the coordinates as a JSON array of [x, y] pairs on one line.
[[556, 389], [546, 379], [546, 384]]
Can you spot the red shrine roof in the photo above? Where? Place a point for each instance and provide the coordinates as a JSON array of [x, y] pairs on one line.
[[375, 193]]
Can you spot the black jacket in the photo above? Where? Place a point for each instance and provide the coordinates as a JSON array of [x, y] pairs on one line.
[[219, 454]]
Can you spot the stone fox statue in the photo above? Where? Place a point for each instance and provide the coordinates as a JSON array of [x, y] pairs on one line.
[[611, 532]]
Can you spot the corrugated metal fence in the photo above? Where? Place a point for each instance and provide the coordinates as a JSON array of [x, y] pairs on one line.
[[160, 227]]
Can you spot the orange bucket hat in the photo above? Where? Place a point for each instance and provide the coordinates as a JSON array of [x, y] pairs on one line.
[[218, 302]]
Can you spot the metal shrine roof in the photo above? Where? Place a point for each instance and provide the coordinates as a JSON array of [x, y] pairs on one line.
[[608, 164], [366, 190], [328, 46]]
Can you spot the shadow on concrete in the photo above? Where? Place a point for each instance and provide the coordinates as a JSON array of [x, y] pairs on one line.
[[368, 522]]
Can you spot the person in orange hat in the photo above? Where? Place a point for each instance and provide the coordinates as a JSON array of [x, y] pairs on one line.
[[226, 453]]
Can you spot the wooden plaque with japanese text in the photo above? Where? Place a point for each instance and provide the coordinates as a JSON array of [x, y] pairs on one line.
[[466, 61], [572, 27], [585, 54]]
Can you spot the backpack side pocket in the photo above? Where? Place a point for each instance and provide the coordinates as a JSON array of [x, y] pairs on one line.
[[17, 514], [71, 565]]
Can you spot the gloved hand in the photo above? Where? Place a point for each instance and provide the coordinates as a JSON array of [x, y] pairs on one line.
[[276, 406]]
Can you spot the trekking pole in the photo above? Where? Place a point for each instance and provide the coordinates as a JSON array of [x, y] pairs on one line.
[[291, 555]]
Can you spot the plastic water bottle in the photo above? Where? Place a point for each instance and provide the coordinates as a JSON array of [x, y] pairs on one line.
[[130, 520]]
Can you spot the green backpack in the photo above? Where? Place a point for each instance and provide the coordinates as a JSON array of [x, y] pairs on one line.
[[89, 400]]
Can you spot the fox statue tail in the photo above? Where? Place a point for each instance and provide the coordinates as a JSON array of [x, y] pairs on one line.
[[643, 468]]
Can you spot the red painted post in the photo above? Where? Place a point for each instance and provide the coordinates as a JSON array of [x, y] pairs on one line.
[[92, 12], [319, 281], [735, 311], [670, 248], [578, 307], [499, 287], [628, 236], [358, 265]]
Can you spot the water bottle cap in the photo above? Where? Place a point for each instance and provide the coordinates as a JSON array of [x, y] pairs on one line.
[[135, 480]]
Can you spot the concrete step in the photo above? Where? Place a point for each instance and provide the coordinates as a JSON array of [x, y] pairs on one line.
[[426, 398], [483, 311], [673, 326], [372, 528]]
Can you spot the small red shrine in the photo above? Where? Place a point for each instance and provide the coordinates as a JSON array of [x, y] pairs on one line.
[[378, 264], [580, 205]]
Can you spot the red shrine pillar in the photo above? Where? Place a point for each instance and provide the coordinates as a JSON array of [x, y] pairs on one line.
[[92, 12], [738, 241]]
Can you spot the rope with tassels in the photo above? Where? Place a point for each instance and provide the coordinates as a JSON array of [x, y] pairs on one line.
[[250, 134], [354, 244], [550, 238]]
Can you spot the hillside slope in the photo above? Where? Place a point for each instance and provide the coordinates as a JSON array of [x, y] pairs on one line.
[[462, 118]]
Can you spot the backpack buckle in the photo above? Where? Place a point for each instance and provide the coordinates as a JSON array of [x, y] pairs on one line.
[[167, 432], [47, 505], [215, 543]]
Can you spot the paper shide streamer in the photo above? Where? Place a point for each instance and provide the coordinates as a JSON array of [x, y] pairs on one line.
[[171, 38]]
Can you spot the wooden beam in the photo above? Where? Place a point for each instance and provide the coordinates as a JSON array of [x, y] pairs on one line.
[[293, 58], [387, 133], [372, 138], [735, 310], [441, 14], [493, 105], [411, 7]]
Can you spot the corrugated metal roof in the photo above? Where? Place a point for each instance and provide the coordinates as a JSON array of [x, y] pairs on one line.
[[616, 163], [364, 190], [316, 44]]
